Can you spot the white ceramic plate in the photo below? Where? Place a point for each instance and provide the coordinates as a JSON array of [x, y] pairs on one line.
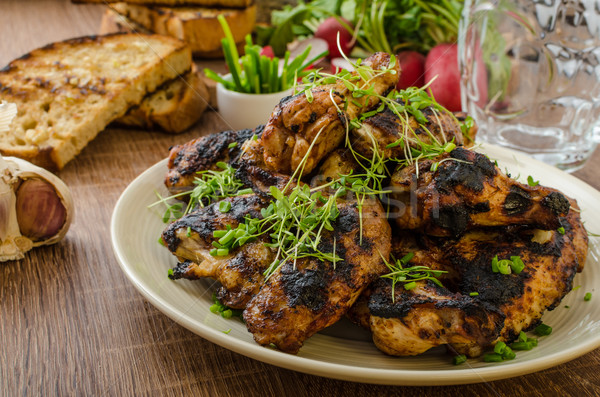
[[345, 351]]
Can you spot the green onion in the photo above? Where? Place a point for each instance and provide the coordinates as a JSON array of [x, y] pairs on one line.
[[521, 346], [561, 230], [409, 286], [499, 347], [492, 357], [224, 206], [232, 145], [504, 266], [188, 233], [587, 297], [253, 73], [516, 264], [457, 360], [473, 293], [543, 330]]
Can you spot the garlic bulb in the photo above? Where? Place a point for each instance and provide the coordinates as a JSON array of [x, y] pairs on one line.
[[36, 207]]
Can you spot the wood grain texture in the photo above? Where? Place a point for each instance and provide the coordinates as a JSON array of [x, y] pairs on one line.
[[72, 324]]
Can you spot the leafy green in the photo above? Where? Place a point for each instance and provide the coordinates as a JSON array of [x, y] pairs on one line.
[[380, 25]]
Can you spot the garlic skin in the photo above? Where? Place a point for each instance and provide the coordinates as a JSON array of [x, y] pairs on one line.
[[36, 208]]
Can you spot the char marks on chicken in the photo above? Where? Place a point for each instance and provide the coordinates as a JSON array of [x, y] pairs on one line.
[[467, 190], [203, 154], [319, 124], [385, 130], [453, 213], [411, 322], [306, 295], [240, 273]]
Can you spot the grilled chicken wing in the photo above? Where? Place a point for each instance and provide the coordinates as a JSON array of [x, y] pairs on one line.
[[506, 304], [467, 190], [385, 129], [339, 162], [304, 297], [241, 272], [297, 123], [203, 154]]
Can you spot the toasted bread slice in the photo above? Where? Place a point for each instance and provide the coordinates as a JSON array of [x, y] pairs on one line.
[[174, 107], [177, 3], [197, 26], [67, 92]]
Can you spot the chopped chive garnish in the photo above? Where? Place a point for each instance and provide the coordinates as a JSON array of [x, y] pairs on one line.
[[473, 293], [457, 360], [517, 264], [561, 230], [411, 285], [225, 206], [492, 358], [161, 242], [521, 346], [232, 145], [587, 297], [499, 347], [522, 337], [227, 331], [504, 266], [543, 330], [188, 233], [495, 264], [170, 273]]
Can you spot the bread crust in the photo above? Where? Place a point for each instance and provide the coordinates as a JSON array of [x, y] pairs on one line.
[[197, 26], [173, 108], [69, 91]]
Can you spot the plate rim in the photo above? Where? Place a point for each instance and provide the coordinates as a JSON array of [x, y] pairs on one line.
[[384, 376]]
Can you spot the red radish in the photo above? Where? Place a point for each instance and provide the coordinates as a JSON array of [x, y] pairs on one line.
[[328, 31], [412, 69], [267, 51], [337, 64], [442, 61]]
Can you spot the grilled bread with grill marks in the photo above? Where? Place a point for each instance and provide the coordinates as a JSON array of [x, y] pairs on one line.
[[173, 108], [67, 92]]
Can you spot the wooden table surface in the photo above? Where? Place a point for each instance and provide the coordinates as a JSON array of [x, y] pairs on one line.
[[72, 324]]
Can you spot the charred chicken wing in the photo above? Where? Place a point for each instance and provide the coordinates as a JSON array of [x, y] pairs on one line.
[[319, 124], [468, 190], [304, 296]]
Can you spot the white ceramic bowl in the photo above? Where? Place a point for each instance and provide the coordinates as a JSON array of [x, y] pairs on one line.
[[240, 110]]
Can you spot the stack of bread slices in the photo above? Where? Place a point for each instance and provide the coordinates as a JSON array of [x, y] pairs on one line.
[[193, 21], [67, 92]]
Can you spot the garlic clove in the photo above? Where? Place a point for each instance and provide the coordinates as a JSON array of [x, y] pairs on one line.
[[40, 211], [36, 208], [58, 196]]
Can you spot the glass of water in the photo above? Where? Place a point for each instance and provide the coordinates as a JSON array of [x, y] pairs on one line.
[[530, 76]]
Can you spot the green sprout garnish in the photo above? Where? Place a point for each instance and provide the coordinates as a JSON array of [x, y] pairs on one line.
[[399, 273], [209, 186]]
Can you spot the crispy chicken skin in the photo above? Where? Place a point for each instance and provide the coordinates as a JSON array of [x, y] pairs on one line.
[[339, 162], [467, 190], [203, 154], [302, 298], [297, 123], [240, 273], [386, 128], [429, 316]]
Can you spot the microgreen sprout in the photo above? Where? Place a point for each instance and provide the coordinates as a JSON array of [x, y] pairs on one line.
[[399, 273], [209, 186]]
